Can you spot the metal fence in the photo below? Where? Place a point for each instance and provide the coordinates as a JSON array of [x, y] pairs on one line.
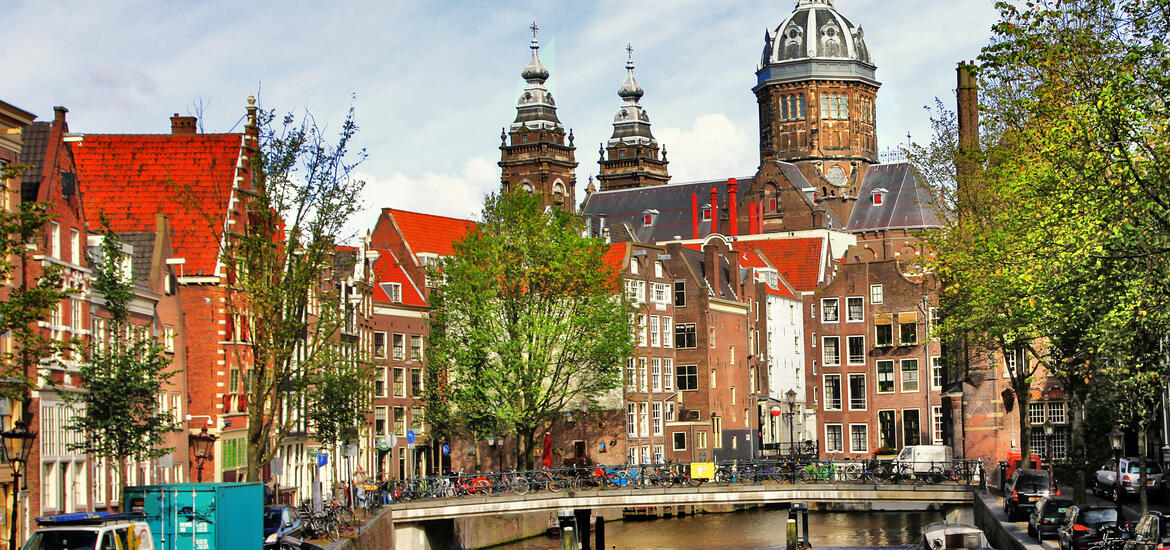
[[667, 475]]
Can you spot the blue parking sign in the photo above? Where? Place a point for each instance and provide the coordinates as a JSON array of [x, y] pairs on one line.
[[410, 436]]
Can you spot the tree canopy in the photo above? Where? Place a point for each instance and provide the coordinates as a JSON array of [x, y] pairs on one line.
[[527, 322]]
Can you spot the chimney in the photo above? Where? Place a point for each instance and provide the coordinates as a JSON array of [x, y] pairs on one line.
[[714, 211], [752, 218], [968, 115], [182, 125], [601, 225], [732, 192], [59, 114], [694, 215]]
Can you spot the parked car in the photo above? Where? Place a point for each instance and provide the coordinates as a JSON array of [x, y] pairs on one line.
[[281, 522], [1152, 532], [1083, 524], [1106, 482], [925, 459], [1023, 489], [1047, 516]]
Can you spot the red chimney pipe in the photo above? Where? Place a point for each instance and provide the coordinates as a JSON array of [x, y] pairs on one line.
[[694, 215], [714, 211], [752, 218], [732, 190]]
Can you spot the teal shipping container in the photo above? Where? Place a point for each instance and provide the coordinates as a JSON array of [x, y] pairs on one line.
[[201, 516]]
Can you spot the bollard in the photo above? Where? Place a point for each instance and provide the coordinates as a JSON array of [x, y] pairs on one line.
[[582, 520], [599, 529], [568, 538], [791, 532]]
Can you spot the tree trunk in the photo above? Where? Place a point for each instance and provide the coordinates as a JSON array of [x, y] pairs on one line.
[[1077, 427], [1144, 496], [1023, 399]]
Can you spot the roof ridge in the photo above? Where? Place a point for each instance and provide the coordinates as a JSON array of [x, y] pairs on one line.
[[431, 215]]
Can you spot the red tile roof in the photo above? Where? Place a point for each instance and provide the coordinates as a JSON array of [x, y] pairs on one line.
[[130, 178], [797, 260], [751, 259], [615, 257], [782, 291], [388, 270], [430, 233]]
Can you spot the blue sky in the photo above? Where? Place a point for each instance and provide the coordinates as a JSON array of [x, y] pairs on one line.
[[436, 80]]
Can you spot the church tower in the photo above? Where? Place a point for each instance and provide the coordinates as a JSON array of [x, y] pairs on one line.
[[816, 88], [533, 154], [634, 156]]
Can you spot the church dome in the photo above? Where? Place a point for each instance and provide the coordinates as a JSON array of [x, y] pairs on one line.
[[815, 32]]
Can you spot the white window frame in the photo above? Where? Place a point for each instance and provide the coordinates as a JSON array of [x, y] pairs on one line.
[[936, 427], [825, 350], [655, 326], [876, 294], [840, 392], [865, 428], [655, 374], [848, 317], [828, 440], [936, 372], [893, 376], [864, 391], [667, 332], [668, 374], [903, 379], [848, 354], [824, 310]]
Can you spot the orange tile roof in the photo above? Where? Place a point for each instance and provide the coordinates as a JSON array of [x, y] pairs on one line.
[[615, 257], [388, 270], [797, 260], [751, 259], [782, 291], [130, 178], [430, 233]]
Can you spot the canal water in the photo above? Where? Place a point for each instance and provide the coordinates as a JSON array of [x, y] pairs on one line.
[[760, 529]]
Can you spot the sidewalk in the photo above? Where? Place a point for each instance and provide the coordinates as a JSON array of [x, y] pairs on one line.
[[1131, 511]]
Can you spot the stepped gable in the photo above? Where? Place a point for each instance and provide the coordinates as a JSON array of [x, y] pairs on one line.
[[388, 270], [429, 233], [906, 204], [189, 178], [799, 260], [671, 202]]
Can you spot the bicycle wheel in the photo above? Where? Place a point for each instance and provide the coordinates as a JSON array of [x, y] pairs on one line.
[[332, 530], [345, 515], [519, 485], [554, 484], [808, 476]]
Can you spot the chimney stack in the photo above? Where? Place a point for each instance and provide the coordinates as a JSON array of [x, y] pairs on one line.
[[714, 211], [732, 191], [966, 164], [183, 125], [59, 114]]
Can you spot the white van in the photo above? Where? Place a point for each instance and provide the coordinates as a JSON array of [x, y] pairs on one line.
[[922, 459], [90, 531]]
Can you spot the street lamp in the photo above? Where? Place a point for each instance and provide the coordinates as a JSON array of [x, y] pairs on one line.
[[17, 445], [1049, 428], [1116, 439], [791, 395], [201, 446]]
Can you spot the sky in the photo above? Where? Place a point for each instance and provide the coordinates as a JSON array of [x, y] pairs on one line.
[[433, 82]]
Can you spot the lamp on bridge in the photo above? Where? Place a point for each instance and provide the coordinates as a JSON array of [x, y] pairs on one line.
[[791, 414], [17, 444], [1049, 429]]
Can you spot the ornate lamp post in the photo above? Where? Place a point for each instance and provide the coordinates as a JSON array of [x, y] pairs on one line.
[[1116, 439], [201, 446], [1049, 429], [17, 445], [791, 395]]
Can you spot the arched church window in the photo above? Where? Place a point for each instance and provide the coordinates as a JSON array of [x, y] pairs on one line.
[[526, 187], [558, 192]]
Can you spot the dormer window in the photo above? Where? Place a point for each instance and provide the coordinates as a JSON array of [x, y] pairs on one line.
[[879, 196], [633, 266], [648, 217], [395, 292], [706, 213]]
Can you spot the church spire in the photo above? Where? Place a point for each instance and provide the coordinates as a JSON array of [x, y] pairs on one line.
[[634, 159], [537, 159]]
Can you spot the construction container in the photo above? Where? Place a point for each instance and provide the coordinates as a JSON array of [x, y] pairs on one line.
[[201, 516]]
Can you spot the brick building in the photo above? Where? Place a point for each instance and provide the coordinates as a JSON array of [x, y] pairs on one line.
[[197, 181]]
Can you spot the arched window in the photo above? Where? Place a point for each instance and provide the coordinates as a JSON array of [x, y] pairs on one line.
[[526, 187], [558, 192]]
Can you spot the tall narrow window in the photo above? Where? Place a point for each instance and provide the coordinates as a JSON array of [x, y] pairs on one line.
[[857, 392], [909, 375], [832, 392]]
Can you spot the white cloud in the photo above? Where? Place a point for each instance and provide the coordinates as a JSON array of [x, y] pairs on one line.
[[713, 148], [456, 194]]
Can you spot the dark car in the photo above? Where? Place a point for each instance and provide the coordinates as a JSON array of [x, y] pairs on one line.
[[281, 522], [1083, 525], [1152, 532], [1022, 491], [1047, 517]]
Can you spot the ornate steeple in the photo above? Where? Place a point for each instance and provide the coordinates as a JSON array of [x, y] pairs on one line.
[[538, 160], [634, 159]]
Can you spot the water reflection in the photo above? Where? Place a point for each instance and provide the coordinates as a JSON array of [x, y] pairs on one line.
[[754, 530]]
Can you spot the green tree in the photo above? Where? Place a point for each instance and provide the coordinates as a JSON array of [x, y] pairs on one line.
[[527, 323], [303, 195], [118, 411], [27, 302], [339, 397]]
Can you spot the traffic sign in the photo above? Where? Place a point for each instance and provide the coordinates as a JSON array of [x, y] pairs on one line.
[[410, 436], [383, 443], [393, 440], [446, 450]]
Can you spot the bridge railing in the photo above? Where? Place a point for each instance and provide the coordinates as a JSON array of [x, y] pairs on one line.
[[600, 477]]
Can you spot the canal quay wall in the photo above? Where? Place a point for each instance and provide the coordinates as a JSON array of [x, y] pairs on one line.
[[1001, 533]]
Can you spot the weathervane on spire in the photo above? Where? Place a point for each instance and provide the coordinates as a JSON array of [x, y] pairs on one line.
[[534, 29], [629, 52]]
